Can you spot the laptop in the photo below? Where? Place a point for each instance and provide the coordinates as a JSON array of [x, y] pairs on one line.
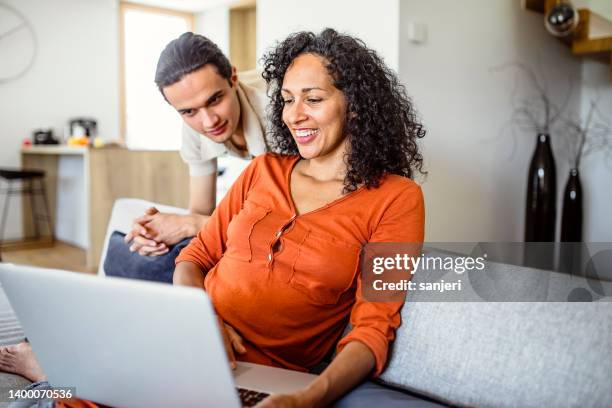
[[128, 343]]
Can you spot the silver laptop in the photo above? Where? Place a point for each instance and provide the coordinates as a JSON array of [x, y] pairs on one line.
[[128, 343]]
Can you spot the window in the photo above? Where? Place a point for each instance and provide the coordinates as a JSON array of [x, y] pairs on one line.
[[148, 121]]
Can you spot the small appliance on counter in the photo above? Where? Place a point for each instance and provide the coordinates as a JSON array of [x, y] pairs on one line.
[[79, 127], [44, 137]]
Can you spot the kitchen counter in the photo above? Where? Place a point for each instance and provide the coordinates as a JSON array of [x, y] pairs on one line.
[[82, 184], [54, 149]]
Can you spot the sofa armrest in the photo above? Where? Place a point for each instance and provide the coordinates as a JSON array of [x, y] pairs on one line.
[[125, 210]]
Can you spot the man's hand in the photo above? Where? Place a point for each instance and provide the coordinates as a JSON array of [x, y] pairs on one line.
[[153, 233], [232, 342], [147, 247], [141, 239]]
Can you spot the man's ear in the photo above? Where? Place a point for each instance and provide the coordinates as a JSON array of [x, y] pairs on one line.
[[234, 78]]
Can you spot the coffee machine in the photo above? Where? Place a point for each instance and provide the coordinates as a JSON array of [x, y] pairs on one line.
[[78, 127]]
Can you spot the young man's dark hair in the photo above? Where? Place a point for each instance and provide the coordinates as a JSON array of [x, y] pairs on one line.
[[186, 54]]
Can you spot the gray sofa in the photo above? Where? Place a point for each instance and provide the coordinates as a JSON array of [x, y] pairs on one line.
[[470, 352], [501, 354]]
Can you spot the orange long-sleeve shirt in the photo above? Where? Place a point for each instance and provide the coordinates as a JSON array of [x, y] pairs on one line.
[[289, 283]]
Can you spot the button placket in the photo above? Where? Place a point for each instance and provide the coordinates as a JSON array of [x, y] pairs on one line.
[[278, 236]]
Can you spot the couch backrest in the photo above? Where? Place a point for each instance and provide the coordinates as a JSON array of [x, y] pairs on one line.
[[507, 354]]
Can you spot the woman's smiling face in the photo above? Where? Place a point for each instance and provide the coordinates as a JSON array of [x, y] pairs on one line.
[[314, 109]]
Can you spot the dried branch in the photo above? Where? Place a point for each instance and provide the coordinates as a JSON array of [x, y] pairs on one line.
[[537, 112], [585, 138]]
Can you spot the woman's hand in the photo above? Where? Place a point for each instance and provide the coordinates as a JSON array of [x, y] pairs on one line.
[[189, 274], [232, 341], [347, 370], [296, 400]]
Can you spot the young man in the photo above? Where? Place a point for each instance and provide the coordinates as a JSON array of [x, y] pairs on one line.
[[221, 112]]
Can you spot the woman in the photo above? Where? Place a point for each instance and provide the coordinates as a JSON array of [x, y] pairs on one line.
[[280, 255]]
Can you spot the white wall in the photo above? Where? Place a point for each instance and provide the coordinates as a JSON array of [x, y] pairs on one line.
[[596, 170], [477, 177], [376, 23], [601, 7], [75, 74], [214, 24]]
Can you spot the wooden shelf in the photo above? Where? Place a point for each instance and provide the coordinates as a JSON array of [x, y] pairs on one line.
[[602, 45], [539, 6]]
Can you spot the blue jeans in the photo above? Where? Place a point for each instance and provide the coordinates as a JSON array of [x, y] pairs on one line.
[[366, 395], [34, 403], [122, 263]]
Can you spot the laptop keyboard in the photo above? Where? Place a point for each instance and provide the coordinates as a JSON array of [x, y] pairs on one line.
[[250, 398]]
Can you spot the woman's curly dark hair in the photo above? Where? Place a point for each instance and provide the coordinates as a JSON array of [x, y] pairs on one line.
[[381, 123]]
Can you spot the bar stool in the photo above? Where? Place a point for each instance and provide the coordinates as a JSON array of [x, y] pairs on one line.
[[22, 181]]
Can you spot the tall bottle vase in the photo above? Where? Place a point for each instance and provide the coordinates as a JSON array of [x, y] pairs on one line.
[[572, 254], [541, 205], [571, 218]]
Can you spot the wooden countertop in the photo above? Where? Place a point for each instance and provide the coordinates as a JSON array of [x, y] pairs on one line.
[[79, 150], [55, 149]]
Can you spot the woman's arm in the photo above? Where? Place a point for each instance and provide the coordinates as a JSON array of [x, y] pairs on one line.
[[188, 274], [347, 370]]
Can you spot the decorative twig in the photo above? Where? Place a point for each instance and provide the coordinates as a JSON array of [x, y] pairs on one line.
[[538, 113], [595, 135]]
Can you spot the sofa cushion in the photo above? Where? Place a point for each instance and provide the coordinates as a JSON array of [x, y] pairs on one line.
[[503, 354]]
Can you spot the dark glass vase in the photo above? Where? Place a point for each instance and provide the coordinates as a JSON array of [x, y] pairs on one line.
[[541, 208], [571, 218]]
